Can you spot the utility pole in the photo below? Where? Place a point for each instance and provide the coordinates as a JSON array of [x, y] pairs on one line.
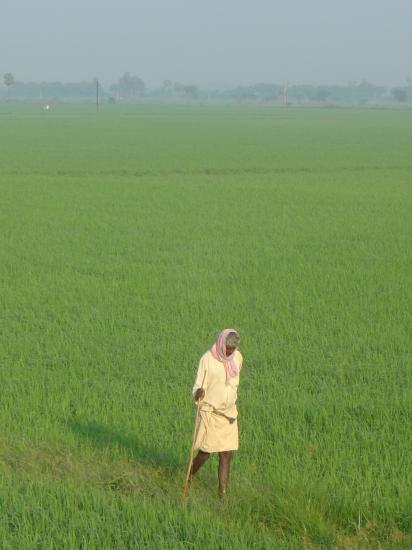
[[96, 81], [285, 94]]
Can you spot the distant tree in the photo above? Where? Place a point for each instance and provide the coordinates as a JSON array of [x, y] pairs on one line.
[[178, 88], [182, 90], [8, 82], [399, 94], [114, 90], [322, 94], [131, 86], [191, 91], [245, 95], [167, 87]]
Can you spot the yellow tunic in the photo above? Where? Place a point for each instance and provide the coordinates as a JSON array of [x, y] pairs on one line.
[[217, 430]]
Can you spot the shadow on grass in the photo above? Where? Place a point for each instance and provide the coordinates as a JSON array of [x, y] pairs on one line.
[[104, 437]]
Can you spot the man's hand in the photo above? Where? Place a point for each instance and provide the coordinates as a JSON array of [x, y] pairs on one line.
[[200, 393]]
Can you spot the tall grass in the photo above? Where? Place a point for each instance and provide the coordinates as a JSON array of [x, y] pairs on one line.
[[128, 240]]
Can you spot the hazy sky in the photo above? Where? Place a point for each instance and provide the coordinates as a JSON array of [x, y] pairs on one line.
[[208, 42]]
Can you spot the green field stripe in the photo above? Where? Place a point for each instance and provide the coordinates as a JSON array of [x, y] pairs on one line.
[[211, 172]]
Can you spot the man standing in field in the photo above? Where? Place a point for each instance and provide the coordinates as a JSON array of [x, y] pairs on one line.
[[215, 390]]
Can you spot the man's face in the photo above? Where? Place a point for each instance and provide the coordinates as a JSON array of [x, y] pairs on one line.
[[229, 350]]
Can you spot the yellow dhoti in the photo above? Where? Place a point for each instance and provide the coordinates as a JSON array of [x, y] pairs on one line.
[[216, 433]]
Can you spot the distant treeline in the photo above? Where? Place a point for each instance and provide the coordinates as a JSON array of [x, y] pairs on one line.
[[132, 88], [352, 93]]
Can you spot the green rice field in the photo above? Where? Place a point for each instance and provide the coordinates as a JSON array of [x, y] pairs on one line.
[[129, 238]]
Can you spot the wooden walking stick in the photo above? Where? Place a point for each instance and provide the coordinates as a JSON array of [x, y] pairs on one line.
[[195, 430]]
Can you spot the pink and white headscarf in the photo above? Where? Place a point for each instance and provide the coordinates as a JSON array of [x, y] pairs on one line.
[[219, 352]]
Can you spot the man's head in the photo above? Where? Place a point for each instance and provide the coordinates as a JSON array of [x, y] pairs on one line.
[[232, 343]]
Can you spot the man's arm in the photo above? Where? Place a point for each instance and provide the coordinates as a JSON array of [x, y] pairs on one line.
[[199, 388]]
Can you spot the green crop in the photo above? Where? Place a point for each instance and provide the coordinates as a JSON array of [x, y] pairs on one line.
[[129, 238]]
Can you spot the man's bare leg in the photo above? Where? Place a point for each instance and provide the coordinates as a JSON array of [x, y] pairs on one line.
[[198, 461], [224, 469]]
